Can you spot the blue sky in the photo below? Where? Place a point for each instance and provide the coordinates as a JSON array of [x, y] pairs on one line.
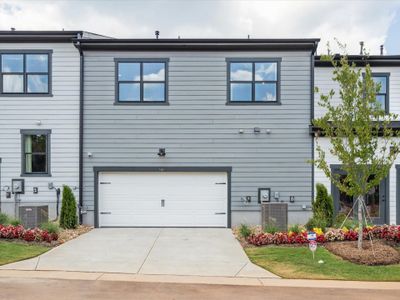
[[375, 22]]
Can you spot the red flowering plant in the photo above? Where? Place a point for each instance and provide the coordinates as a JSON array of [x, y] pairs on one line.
[[391, 233], [29, 235]]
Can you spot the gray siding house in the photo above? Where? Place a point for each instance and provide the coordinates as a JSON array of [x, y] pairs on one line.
[[186, 132], [169, 132]]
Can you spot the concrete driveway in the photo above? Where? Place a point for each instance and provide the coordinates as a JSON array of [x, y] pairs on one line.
[[161, 251]]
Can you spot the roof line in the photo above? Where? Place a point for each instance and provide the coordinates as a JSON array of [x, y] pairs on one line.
[[203, 40], [197, 44], [362, 60]]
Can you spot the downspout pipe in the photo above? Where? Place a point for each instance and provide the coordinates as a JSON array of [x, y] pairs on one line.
[[81, 108], [1, 190], [312, 108]]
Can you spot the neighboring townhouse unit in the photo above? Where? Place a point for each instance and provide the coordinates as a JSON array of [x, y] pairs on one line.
[[39, 117], [383, 203], [185, 132]]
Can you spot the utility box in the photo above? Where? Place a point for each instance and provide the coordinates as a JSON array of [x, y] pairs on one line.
[[33, 216], [275, 214]]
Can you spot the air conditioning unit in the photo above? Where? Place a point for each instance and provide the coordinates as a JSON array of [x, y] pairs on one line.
[[275, 214], [33, 216]]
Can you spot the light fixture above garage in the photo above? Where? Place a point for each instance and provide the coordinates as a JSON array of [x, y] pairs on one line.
[[161, 152]]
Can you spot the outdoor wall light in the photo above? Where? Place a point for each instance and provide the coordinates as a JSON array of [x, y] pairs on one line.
[[268, 131], [241, 131], [38, 122], [161, 152], [291, 199], [90, 154]]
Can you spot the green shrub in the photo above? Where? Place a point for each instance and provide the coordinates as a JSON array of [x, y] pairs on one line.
[[317, 220], [4, 219], [296, 228], [245, 231], [271, 229], [50, 227], [68, 216], [15, 222], [340, 219], [323, 205], [350, 223]]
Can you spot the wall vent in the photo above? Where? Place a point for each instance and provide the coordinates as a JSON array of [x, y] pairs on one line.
[[275, 214], [33, 216]]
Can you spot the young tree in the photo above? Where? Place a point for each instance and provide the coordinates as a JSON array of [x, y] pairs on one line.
[[359, 132], [68, 216]]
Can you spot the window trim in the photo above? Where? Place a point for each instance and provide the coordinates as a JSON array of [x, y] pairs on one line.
[[24, 133], [254, 60], [141, 61], [387, 76], [49, 73]]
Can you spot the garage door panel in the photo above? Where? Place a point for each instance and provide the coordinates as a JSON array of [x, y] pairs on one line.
[[176, 220], [124, 205], [190, 199]]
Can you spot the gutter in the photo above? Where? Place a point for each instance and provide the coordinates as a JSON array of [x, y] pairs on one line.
[[312, 61], [81, 108], [199, 44]]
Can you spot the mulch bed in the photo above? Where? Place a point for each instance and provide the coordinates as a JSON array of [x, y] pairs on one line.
[[68, 234], [379, 254]]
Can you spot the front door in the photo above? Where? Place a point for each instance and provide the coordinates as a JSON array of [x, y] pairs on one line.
[[375, 201]]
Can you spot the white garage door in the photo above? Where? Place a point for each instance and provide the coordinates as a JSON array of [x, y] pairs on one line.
[[175, 199]]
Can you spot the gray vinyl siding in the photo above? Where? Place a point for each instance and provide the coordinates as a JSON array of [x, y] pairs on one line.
[[197, 128], [58, 113]]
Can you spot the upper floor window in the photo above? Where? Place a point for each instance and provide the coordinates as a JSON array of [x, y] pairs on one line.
[[254, 81], [25, 73], [382, 96], [141, 81], [35, 152]]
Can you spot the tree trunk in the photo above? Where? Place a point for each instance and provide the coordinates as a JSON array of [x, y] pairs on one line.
[[360, 221]]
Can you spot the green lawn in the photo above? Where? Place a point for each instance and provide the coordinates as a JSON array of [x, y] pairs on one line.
[[297, 262], [12, 252]]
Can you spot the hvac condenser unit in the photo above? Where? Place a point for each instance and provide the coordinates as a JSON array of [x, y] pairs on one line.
[[33, 216], [275, 214]]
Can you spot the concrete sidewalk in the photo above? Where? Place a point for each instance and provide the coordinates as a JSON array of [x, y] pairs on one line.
[[237, 281], [208, 252]]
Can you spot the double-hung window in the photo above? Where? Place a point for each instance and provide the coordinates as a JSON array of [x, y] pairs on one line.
[[141, 81], [254, 81], [382, 96], [25, 73], [35, 152]]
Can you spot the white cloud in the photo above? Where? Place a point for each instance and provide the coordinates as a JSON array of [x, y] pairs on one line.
[[155, 76], [240, 75], [349, 21]]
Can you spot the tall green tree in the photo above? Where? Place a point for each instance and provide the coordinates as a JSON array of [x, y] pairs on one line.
[[359, 132], [68, 215]]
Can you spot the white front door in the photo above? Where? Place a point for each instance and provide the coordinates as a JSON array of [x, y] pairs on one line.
[[175, 199]]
